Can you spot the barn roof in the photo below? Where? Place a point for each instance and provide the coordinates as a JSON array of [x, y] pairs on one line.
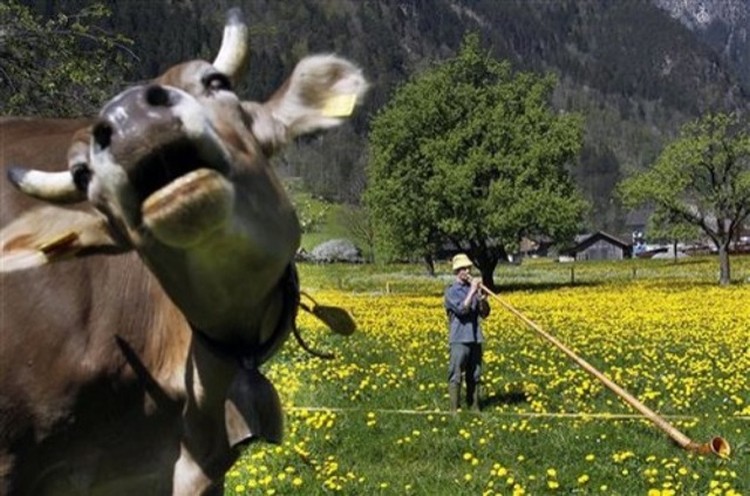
[[585, 241]]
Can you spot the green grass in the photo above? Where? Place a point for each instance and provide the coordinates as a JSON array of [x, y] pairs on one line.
[[318, 217], [374, 420]]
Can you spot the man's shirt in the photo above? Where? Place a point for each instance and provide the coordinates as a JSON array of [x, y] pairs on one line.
[[463, 322]]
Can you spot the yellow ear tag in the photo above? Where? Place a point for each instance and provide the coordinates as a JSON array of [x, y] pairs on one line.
[[339, 106], [61, 246]]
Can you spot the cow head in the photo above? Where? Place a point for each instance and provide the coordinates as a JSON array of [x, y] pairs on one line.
[[179, 169]]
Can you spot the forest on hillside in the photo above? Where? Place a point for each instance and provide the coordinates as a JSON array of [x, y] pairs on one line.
[[634, 73]]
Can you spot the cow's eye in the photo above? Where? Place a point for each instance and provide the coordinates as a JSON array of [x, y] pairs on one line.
[[81, 176], [216, 82]]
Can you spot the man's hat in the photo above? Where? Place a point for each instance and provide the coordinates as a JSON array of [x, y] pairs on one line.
[[460, 261]]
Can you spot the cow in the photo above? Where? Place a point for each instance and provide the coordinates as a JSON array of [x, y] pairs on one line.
[[141, 299]]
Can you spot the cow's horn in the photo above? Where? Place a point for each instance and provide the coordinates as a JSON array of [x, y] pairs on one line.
[[234, 46], [55, 187]]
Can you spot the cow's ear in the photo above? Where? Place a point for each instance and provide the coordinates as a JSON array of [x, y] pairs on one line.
[[50, 234], [321, 92]]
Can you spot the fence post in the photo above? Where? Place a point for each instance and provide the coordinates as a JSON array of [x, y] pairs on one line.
[[572, 275]]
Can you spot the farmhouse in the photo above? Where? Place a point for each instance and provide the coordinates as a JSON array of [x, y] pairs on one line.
[[600, 246]]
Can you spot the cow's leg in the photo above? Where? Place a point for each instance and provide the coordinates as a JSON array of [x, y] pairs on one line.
[[190, 479], [205, 453]]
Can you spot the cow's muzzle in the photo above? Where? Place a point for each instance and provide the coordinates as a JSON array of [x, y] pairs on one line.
[[173, 160]]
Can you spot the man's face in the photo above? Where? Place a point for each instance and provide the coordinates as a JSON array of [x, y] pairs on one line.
[[463, 274]]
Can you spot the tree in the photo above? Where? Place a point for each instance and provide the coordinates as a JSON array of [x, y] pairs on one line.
[[703, 179], [66, 66], [471, 154]]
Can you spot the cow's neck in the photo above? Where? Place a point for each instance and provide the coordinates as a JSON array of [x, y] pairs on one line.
[[213, 363], [223, 289], [272, 331], [229, 402]]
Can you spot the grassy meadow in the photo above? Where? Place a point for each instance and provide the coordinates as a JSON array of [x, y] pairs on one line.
[[374, 420]]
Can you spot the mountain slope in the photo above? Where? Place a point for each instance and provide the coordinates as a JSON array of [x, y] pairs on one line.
[[636, 69], [724, 25]]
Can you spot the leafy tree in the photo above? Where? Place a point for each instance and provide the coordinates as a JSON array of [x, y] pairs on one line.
[[472, 154], [66, 66], [703, 179]]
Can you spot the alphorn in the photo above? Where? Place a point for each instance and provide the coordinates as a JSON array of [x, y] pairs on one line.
[[717, 445]]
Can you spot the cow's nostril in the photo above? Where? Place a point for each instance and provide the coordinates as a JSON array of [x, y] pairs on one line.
[[103, 134], [157, 96], [81, 176]]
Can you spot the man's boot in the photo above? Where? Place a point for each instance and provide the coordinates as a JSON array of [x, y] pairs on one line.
[[454, 392], [473, 398]]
